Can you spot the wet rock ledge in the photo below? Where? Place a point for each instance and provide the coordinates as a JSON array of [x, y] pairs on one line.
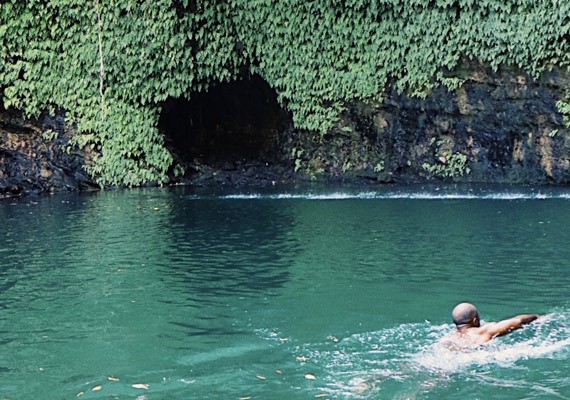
[[35, 156]]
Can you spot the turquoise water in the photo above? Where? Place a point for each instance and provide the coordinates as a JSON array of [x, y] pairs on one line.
[[291, 294]]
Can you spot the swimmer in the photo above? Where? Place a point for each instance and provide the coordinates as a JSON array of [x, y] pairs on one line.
[[471, 332]]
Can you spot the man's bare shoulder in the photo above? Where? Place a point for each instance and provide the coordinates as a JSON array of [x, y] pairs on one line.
[[466, 338]]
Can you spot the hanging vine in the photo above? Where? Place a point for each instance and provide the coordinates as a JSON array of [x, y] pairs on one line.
[[101, 65]]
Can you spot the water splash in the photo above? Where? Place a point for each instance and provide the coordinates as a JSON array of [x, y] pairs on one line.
[[433, 193], [404, 361], [549, 336]]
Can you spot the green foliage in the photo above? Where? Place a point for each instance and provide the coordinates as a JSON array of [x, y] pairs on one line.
[[50, 59], [50, 134], [564, 108], [448, 164], [317, 55]]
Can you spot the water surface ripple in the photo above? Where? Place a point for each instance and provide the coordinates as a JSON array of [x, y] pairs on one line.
[[326, 293]]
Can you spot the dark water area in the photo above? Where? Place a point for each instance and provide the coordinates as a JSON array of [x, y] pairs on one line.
[[288, 293]]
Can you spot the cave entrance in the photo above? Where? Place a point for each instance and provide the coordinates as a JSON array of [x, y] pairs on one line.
[[231, 122]]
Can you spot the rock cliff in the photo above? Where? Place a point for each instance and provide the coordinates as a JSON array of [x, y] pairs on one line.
[[35, 156], [497, 126]]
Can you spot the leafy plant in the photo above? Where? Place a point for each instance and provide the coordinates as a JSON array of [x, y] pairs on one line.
[[449, 165], [111, 64]]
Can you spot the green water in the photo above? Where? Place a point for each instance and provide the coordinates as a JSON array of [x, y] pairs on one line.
[[229, 297]]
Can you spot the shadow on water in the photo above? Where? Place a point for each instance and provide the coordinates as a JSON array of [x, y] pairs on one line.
[[239, 248]]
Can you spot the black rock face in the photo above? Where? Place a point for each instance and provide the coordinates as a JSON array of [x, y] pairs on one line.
[[29, 163]]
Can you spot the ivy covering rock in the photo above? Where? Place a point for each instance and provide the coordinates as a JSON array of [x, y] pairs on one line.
[[111, 65]]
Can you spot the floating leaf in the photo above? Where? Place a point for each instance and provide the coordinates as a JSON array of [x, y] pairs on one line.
[[310, 377], [140, 386]]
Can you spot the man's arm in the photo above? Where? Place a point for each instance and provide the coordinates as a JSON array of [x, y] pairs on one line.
[[494, 329]]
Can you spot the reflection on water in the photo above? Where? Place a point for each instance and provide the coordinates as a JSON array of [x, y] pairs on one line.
[[248, 249], [231, 296]]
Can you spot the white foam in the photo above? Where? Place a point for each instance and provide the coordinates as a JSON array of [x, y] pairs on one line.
[[300, 196], [364, 364], [550, 335], [446, 360], [374, 195]]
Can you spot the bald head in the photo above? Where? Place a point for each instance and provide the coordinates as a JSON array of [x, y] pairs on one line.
[[465, 314]]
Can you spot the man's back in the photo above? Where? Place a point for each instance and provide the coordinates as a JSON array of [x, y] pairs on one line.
[[471, 333], [467, 337]]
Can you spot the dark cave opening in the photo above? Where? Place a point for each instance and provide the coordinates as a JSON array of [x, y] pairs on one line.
[[231, 122]]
